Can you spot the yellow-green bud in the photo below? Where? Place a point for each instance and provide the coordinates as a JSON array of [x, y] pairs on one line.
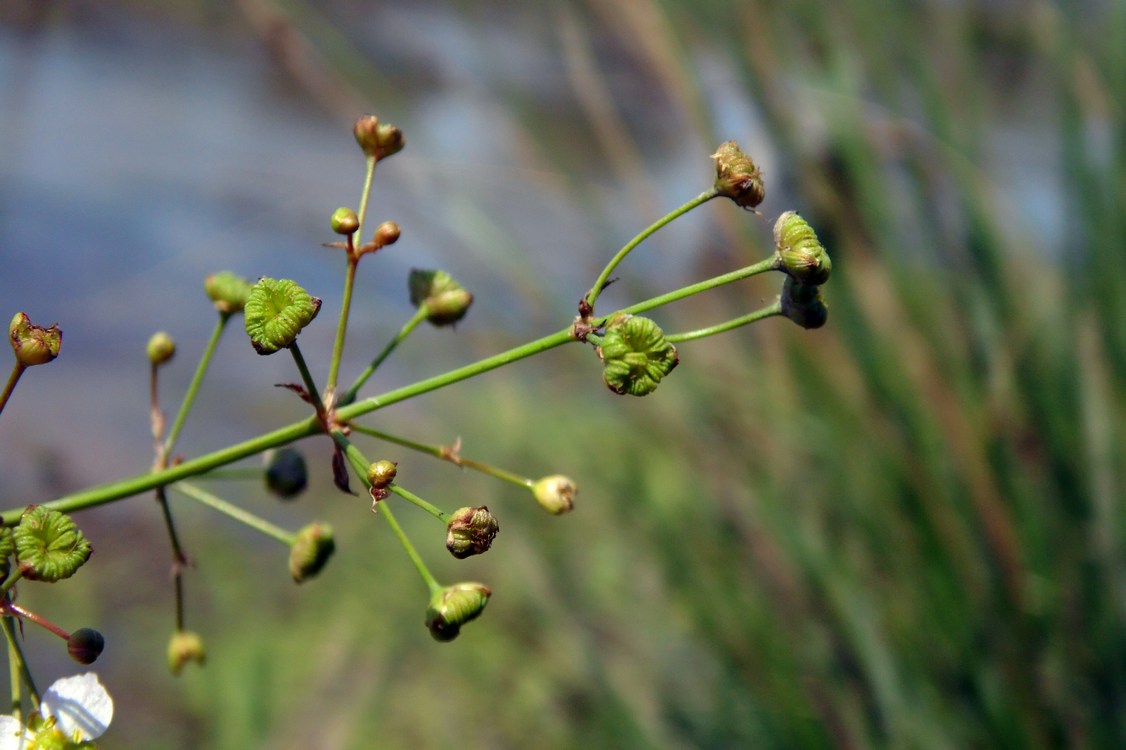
[[446, 300], [85, 645], [275, 313], [799, 253], [382, 473], [635, 355], [49, 546], [802, 304], [161, 348], [471, 531], [376, 138], [555, 494], [227, 291], [454, 606], [310, 551], [737, 177], [33, 345], [345, 221], [185, 646]]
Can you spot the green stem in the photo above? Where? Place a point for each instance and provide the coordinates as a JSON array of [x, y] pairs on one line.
[[765, 312], [310, 386], [179, 559], [14, 682], [419, 316], [242, 516], [411, 497], [446, 454], [360, 465], [365, 194], [14, 378], [234, 473], [342, 326], [14, 575], [282, 436], [15, 656], [193, 388], [699, 200]]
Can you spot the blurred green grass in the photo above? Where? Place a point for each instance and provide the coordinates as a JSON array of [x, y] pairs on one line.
[[903, 530]]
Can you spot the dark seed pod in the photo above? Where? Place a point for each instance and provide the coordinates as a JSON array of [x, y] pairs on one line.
[[85, 645]]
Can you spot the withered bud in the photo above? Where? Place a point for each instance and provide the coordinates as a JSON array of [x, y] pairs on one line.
[[737, 177], [376, 138], [471, 531], [33, 345]]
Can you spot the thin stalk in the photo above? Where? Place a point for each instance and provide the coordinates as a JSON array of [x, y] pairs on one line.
[[411, 497], [16, 657], [342, 325], [234, 473], [193, 388], [233, 511], [179, 559], [445, 453], [284, 435], [360, 464], [307, 377], [14, 575], [699, 200], [14, 378], [14, 683], [43, 622], [419, 316], [765, 312]]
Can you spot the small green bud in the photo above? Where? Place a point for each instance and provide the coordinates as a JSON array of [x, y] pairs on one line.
[[227, 291], [737, 177], [802, 304], [446, 300], [555, 494], [799, 253], [276, 311], [454, 606], [7, 550], [85, 645], [345, 221], [185, 646], [161, 348], [49, 546], [382, 473], [471, 531], [635, 355], [33, 345], [376, 138], [311, 550], [286, 474]]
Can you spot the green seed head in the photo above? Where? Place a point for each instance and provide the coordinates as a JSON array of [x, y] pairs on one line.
[[311, 551], [227, 291], [446, 300], [276, 311], [454, 606], [344, 221], [33, 345], [635, 355], [382, 473], [49, 546], [800, 254]]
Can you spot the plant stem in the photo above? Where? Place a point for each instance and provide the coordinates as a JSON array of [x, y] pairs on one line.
[[765, 312], [419, 316], [310, 386], [699, 200], [16, 658], [411, 497], [193, 388], [446, 453], [38, 619], [229, 509], [342, 325], [14, 378], [102, 494]]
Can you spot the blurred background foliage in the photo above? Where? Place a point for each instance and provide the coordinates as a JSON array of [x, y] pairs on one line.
[[903, 530]]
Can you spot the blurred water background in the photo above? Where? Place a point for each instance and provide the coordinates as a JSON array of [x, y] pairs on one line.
[[902, 530]]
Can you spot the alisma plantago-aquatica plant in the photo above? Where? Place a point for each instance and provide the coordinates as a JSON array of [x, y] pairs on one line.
[[635, 355]]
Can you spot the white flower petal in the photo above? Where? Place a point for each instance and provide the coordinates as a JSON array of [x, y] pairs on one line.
[[78, 703], [13, 736]]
